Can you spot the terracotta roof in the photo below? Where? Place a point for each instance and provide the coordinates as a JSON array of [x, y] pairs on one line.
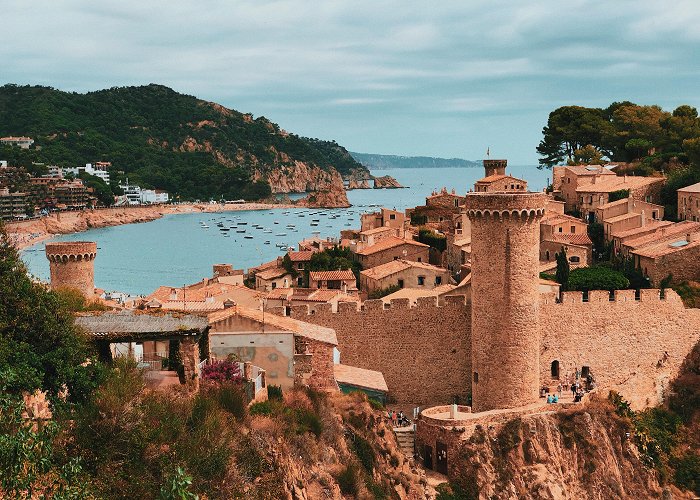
[[497, 177], [618, 218], [377, 230], [557, 218], [693, 188], [677, 244], [314, 332], [573, 239], [346, 274], [269, 274], [280, 293], [623, 201], [194, 293], [615, 183], [396, 266], [263, 266], [415, 293], [651, 225], [665, 233], [388, 243], [360, 377], [589, 170], [301, 256]]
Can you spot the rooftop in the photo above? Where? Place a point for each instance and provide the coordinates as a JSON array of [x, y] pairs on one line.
[[396, 266], [663, 233], [572, 239], [344, 275], [360, 377], [649, 226], [269, 274], [615, 183], [693, 188], [301, 256], [388, 243], [130, 325], [589, 170], [498, 177], [314, 332], [413, 294], [377, 230], [677, 244]]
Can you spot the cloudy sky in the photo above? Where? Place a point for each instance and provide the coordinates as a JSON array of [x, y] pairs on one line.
[[441, 78]]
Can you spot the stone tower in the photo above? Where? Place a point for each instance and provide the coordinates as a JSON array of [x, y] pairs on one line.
[[72, 265], [505, 298], [495, 167]]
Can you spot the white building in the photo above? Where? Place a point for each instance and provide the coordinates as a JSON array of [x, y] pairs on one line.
[[22, 142], [98, 169], [153, 196]]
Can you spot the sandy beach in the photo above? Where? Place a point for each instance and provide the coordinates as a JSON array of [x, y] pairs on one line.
[[30, 232]]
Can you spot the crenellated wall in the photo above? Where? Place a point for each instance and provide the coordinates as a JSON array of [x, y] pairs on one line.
[[423, 351], [632, 344]]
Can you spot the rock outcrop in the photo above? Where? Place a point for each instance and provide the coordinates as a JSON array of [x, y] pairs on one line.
[[299, 177], [386, 182], [332, 197]]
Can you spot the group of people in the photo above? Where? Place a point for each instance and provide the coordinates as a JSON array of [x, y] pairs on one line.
[[397, 419], [579, 386]]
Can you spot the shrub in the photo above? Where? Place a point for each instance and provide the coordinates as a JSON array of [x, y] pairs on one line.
[[178, 487], [364, 452], [261, 408], [433, 239], [383, 292], [348, 479], [231, 398], [274, 392], [306, 421], [596, 278], [509, 436], [687, 474], [222, 371]]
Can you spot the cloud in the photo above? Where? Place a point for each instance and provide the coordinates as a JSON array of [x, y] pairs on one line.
[[383, 76]]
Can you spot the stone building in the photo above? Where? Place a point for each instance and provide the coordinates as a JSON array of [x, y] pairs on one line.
[[496, 180], [384, 218], [567, 179], [625, 214], [14, 205], [559, 231], [392, 248], [343, 280], [72, 265], [689, 203], [403, 274]]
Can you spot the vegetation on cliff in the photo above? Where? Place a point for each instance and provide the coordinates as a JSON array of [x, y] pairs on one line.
[[160, 139], [374, 161]]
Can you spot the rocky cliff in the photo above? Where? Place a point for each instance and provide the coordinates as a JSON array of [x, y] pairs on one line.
[[386, 182], [589, 452], [299, 177], [332, 197]]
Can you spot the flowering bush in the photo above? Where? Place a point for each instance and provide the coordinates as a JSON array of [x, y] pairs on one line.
[[223, 371]]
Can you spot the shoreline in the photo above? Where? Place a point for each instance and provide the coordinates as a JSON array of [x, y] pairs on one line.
[[25, 234]]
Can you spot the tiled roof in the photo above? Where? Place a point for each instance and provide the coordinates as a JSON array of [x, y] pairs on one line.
[[130, 324], [589, 170], [556, 218], [573, 239], [346, 274], [415, 293], [677, 244], [388, 243], [280, 293], [272, 273], [169, 293], [314, 332], [360, 377], [671, 231], [618, 218], [396, 266], [377, 230], [497, 177], [301, 256], [649, 226], [693, 188], [615, 183], [263, 266]]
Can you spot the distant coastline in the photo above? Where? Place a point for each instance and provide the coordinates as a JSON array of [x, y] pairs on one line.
[[376, 161]]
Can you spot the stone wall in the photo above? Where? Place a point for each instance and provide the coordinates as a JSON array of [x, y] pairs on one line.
[[423, 351], [72, 265], [633, 346], [682, 264]]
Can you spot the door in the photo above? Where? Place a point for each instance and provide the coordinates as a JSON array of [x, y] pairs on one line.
[[428, 457], [441, 452]]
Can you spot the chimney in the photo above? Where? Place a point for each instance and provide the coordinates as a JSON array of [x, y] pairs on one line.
[[644, 219], [688, 237], [630, 205], [595, 178]]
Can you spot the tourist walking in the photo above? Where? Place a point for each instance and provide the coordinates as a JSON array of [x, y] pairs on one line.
[[393, 418]]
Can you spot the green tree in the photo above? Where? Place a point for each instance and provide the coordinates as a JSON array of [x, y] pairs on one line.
[[587, 155], [596, 278], [563, 268]]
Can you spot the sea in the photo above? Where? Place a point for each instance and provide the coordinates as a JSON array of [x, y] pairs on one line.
[[177, 249]]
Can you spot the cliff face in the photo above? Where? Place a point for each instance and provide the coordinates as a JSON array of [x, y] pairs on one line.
[[358, 180], [586, 453], [333, 197], [299, 177]]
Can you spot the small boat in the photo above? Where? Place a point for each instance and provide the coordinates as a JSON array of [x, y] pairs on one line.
[[267, 242], [315, 232], [267, 231], [314, 223], [223, 229], [281, 234], [205, 226], [242, 223], [248, 237], [240, 230], [276, 222]]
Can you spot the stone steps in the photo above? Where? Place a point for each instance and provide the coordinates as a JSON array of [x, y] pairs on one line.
[[405, 437]]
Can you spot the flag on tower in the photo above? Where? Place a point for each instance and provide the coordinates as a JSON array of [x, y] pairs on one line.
[[488, 152]]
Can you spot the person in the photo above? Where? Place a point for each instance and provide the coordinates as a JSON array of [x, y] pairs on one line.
[[573, 389], [549, 399], [393, 418], [401, 418], [559, 388], [555, 399], [388, 414]]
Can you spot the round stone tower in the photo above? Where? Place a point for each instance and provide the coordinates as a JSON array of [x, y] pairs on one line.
[[505, 298], [72, 265]]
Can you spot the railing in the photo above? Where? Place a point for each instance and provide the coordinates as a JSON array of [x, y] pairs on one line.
[[151, 361], [258, 383]]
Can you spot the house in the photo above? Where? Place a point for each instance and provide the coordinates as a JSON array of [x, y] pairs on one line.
[[559, 231], [300, 261], [496, 180], [384, 218], [98, 169], [392, 248], [371, 236], [445, 199], [625, 214], [14, 205], [289, 297], [292, 352], [274, 277], [344, 280], [203, 297], [371, 382], [22, 142], [403, 274], [673, 253], [689, 203], [567, 179]]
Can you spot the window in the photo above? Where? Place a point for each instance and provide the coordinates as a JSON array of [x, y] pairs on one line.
[[392, 216], [438, 280], [585, 371], [573, 229], [456, 202], [421, 280], [561, 229], [419, 259], [274, 285], [400, 283], [300, 265], [396, 257], [476, 377], [574, 258], [654, 214]]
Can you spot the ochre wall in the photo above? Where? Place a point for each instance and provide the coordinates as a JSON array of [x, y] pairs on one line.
[[423, 351]]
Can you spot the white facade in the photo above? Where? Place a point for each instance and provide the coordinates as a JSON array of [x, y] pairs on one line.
[[98, 170], [22, 142]]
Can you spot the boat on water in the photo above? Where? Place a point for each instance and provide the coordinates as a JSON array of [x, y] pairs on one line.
[[314, 223], [281, 245], [240, 230], [224, 229], [275, 222], [315, 232], [204, 226], [267, 231], [241, 223], [281, 234], [248, 237], [267, 242]]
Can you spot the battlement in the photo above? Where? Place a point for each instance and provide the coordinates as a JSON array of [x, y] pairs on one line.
[[431, 302], [646, 296], [503, 206], [65, 251]]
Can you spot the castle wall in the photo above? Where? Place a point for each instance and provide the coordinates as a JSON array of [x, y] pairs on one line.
[[633, 346], [72, 265], [423, 351]]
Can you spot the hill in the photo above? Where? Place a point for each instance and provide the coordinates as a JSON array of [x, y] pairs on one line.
[[393, 161], [162, 139]]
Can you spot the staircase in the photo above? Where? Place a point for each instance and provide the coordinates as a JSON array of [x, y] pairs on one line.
[[406, 438]]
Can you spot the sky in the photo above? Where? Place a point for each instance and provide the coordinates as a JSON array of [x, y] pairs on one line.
[[447, 78]]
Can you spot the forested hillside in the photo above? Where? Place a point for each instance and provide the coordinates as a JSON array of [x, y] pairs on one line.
[[160, 138]]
